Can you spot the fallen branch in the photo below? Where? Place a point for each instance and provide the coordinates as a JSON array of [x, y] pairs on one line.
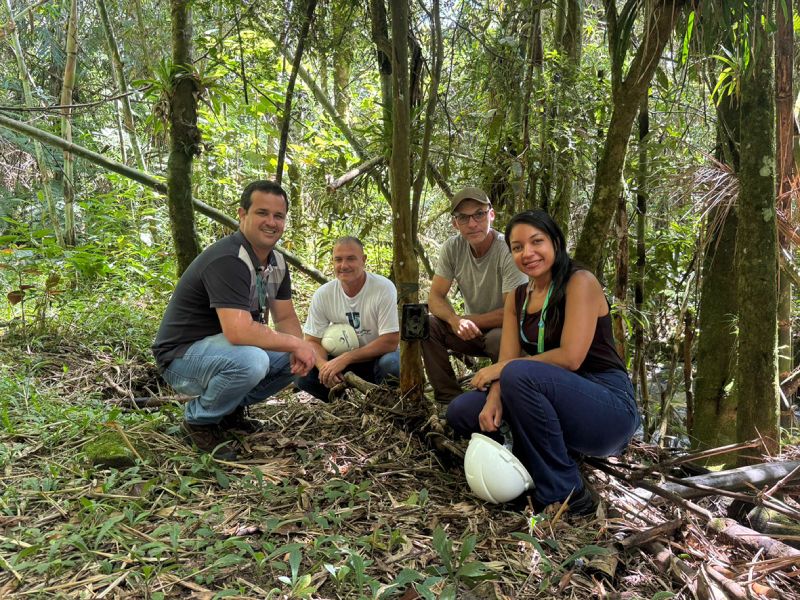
[[744, 536], [732, 480]]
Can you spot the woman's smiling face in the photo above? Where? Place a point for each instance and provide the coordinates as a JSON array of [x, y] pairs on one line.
[[532, 249]]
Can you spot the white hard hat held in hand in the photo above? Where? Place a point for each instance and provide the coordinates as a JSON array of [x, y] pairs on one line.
[[493, 473], [339, 338]]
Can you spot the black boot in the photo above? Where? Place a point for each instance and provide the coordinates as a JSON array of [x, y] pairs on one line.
[[210, 439], [239, 421]]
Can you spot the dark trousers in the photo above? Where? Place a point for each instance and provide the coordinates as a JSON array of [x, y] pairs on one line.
[[553, 414], [385, 369], [437, 361]]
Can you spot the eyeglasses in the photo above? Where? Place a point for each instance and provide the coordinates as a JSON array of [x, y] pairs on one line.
[[478, 215]]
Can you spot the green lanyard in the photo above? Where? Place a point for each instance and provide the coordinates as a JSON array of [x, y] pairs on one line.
[[540, 345]]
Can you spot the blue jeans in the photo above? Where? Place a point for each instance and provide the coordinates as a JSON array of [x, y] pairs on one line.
[[375, 371], [224, 377], [555, 414]]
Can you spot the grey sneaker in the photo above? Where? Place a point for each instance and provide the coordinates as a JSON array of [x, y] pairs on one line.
[[210, 439]]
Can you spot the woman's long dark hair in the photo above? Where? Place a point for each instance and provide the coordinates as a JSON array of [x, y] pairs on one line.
[[563, 265]]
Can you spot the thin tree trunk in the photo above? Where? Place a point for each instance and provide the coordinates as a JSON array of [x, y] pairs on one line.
[[184, 137], [380, 37], [25, 81], [405, 266], [622, 269], [627, 97], [287, 106], [569, 43], [66, 122], [118, 69], [756, 248], [785, 169], [342, 57], [437, 56], [642, 190]]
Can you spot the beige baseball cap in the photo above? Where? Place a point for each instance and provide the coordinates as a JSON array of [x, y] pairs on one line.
[[469, 193]]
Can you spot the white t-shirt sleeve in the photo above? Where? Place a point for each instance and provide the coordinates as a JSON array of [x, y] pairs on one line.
[[316, 322], [388, 322]]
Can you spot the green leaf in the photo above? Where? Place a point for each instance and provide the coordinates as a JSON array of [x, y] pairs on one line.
[[471, 569]]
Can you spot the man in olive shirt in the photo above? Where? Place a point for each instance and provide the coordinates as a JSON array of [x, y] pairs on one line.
[[478, 261]]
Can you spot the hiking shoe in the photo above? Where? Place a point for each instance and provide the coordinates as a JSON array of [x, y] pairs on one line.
[[210, 439], [239, 421], [582, 503]]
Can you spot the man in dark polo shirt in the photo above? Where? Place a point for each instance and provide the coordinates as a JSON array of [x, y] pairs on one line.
[[215, 341]]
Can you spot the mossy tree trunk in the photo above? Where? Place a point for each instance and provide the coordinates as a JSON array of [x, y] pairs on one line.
[[714, 418], [627, 95], [184, 137], [756, 246]]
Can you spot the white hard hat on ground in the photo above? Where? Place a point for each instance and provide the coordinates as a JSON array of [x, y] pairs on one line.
[[339, 338], [493, 473]]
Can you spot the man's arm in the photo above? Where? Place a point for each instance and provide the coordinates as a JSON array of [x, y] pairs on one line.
[[438, 303], [466, 327], [285, 318], [239, 329]]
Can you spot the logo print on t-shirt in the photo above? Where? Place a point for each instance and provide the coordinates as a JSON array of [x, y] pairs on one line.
[[355, 320]]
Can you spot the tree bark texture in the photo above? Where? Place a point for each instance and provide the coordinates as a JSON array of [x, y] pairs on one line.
[[404, 265], [622, 268], [118, 70], [184, 137], [626, 97], [714, 419], [785, 129], [68, 86], [756, 247], [641, 248]]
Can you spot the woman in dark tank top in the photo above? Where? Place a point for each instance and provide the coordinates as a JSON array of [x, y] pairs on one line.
[[559, 382]]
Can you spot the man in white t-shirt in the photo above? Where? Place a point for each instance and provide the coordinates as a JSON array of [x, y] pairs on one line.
[[478, 260], [366, 301]]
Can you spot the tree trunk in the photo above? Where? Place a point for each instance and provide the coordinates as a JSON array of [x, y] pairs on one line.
[[641, 248], [380, 36], [627, 96], [66, 122], [622, 269], [785, 170], [756, 247], [25, 79], [342, 58], [184, 137], [404, 265], [569, 44], [287, 106], [714, 419], [118, 69]]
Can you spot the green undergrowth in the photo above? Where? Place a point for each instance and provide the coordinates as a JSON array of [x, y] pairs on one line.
[[175, 516]]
